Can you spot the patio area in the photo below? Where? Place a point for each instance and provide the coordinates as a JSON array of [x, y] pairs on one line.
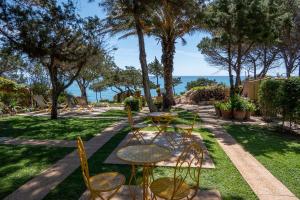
[[226, 168]]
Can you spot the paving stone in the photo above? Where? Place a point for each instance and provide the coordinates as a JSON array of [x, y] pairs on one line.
[[124, 194]]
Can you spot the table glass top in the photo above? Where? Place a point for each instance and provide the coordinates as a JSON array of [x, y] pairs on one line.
[[162, 114], [143, 154]]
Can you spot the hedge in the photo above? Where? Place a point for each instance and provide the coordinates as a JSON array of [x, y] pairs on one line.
[[207, 93]]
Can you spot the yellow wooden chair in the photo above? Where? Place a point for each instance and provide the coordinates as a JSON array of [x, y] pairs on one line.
[[135, 128], [100, 183], [186, 129], [177, 187]]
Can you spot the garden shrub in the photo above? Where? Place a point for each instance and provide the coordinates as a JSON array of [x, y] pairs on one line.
[[290, 99], [133, 103], [207, 93], [269, 97], [200, 82]]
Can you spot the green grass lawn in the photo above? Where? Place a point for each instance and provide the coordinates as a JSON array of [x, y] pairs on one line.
[[114, 113], [278, 152], [225, 177], [21, 163], [44, 128]]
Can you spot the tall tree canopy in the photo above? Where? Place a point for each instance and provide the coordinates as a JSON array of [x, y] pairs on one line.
[[170, 20], [128, 17], [236, 26], [156, 69], [52, 34]]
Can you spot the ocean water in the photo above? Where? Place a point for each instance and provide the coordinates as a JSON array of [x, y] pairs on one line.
[[108, 94]]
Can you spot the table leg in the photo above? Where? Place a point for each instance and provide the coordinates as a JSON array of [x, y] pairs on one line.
[[132, 176], [147, 175]]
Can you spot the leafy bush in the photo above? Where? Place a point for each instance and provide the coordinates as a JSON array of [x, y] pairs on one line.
[[269, 97], [226, 106], [133, 103], [290, 99], [206, 93], [200, 82], [242, 104]]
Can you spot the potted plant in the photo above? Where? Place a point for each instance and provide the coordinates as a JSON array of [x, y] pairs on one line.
[[226, 110], [250, 108], [217, 108], [239, 107]]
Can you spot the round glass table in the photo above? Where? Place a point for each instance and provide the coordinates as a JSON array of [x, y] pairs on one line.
[[161, 120], [145, 155]]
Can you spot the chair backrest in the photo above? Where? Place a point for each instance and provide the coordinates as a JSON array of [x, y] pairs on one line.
[[189, 165], [83, 163], [129, 115], [81, 101], [70, 101], [40, 100]]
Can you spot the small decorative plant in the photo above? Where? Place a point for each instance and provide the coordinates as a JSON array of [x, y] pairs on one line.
[[133, 103]]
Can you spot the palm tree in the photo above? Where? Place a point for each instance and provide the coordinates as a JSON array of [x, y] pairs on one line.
[[126, 16], [171, 20]]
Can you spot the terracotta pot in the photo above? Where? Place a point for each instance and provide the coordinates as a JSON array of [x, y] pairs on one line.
[[226, 114], [218, 112], [247, 116], [239, 115]]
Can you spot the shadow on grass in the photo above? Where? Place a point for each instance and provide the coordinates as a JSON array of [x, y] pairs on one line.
[[60, 129], [21, 163], [262, 140]]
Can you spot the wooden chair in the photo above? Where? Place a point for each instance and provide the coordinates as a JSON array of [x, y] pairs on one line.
[[42, 103], [177, 187], [100, 183], [135, 128], [83, 105], [186, 129]]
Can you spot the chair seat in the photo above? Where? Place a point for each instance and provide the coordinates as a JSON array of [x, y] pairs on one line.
[[107, 181], [139, 126], [164, 188], [184, 126]]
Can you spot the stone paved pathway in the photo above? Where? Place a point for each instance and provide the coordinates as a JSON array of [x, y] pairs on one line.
[[38, 187], [124, 194], [262, 182]]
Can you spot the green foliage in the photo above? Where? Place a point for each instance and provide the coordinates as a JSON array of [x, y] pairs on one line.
[[7, 85], [290, 98], [226, 106], [40, 88], [269, 97], [133, 103], [200, 82], [207, 93]]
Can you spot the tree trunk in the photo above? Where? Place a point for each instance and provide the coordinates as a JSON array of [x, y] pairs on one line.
[[96, 96], [168, 50], [230, 70], [238, 67], [83, 91], [55, 89], [157, 81], [143, 61], [254, 68]]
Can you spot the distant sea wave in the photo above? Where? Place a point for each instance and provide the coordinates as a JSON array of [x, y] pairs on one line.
[[108, 94]]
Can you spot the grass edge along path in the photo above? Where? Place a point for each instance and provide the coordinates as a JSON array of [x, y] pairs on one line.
[[57, 173], [21, 163], [224, 178], [278, 152]]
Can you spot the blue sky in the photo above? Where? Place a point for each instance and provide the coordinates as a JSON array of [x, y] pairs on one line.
[[188, 61]]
